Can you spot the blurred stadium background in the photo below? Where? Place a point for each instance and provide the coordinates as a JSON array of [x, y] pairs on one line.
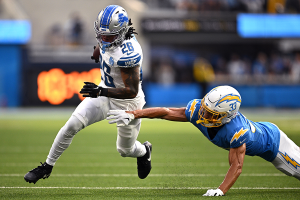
[[189, 47]]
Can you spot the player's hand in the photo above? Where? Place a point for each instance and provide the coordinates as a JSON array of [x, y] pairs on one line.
[[213, 192], [90, 90], [120, 117]]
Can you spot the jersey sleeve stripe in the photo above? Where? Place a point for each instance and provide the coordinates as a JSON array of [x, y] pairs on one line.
[[129, 62]]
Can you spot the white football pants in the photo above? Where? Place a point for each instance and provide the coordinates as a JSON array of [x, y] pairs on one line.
[[288, 157], [92, 110]]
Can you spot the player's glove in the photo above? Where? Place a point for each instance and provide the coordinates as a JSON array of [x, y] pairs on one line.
[[213, 192], [92, 90], [120, 117]]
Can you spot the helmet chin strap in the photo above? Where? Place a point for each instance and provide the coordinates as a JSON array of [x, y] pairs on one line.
[[226, 120], [104, 46]]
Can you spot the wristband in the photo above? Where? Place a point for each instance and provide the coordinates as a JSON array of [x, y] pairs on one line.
[[103, 92]]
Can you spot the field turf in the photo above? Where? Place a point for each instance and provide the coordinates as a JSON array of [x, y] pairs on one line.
[[185, 164]]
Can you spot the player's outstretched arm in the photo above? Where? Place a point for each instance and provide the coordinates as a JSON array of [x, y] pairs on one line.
[[236, 161], [171, 114], [122, 117]]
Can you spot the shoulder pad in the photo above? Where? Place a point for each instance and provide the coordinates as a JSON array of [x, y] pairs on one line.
[[129, 61], [239, 137], [190, 108]]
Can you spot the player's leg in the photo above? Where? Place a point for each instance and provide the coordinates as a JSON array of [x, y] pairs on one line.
[[128, 146], [61, 143], [89, 111], [288, 157]]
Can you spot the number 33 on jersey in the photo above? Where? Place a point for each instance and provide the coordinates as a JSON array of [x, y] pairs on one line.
[[129, 54]]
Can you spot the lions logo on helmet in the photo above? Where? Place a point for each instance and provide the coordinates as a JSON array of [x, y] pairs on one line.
[[219, 106], [111, 27], [122, 18]]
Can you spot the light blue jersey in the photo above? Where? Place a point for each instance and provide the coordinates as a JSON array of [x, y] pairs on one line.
[[261, 138]]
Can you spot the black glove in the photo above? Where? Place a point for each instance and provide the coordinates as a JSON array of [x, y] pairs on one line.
[[91, 90], [93, 58]]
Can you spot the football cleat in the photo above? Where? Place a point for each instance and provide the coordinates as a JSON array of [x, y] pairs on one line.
[[42, 171], [144, 162]]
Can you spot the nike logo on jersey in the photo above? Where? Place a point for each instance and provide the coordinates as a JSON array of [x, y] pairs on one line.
[[290, 160], [237, 135], [129, 53], [241, 142]]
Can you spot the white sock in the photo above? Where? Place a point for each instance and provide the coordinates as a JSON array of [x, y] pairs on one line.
[[139, 150]]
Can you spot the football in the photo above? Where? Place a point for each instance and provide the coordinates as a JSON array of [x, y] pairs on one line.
[[96, 54]]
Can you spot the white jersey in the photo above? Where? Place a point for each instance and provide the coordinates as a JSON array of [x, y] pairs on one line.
[[129, 54]]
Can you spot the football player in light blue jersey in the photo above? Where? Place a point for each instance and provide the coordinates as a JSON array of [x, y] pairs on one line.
[[217, 116], [120, 59]]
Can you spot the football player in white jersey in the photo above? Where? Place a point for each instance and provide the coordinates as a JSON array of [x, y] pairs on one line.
[[217, 116], [120, 89]]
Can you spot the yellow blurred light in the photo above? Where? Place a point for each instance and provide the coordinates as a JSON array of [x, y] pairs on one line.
[[55, 86]]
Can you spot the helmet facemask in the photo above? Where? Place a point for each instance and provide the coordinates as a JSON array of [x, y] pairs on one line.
[[210, 118], [109, 41]]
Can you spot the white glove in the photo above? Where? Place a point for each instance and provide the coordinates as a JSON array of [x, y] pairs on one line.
[[120, 117], [212, 192]]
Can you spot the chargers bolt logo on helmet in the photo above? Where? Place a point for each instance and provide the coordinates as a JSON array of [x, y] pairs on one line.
[[219, 106]]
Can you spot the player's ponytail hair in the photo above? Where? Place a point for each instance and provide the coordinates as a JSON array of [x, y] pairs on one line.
[[130, 31]]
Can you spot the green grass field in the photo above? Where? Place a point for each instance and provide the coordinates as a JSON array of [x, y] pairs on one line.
[[184, 163]]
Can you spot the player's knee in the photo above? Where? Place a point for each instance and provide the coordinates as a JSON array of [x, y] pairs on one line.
[[285, 170], [297, 176], [124, 152], [72, 126]]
